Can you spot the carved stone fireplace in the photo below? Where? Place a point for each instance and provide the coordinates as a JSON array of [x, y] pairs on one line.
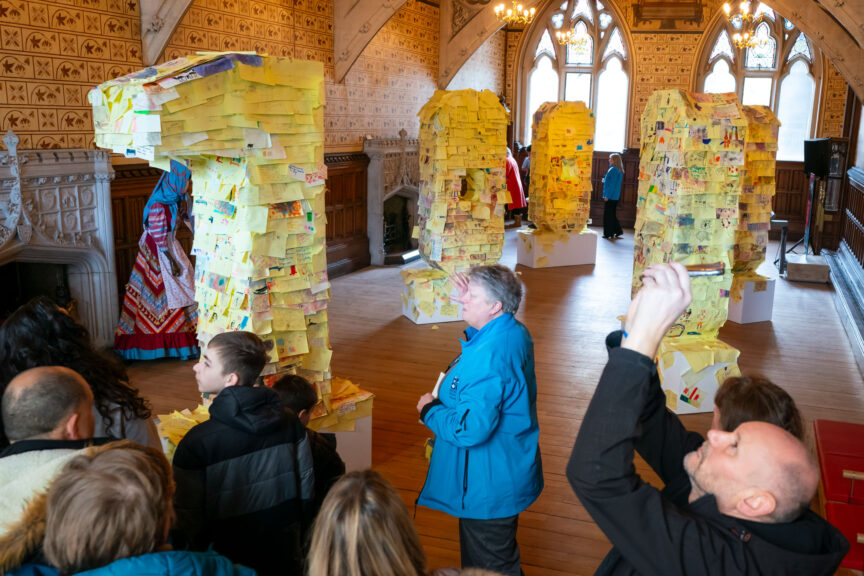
[[394, 170], [55, 207]]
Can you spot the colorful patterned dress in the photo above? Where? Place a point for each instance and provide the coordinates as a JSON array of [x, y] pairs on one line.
[[159, 313]]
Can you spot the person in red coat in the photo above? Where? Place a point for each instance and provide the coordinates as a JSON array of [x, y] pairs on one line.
[[514, 186]]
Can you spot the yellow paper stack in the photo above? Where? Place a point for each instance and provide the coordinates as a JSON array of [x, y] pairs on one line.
[[173, 427], [428, 291], [754, 220], [561, 152], [463, 187], [250, 128], [690, 180]]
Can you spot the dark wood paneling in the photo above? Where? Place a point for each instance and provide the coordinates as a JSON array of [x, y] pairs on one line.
[[853, 222], [790, 201], [130, 190], [345, 198]]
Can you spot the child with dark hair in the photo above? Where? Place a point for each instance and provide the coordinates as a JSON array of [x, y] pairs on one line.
[[244, 477], [299, 396]]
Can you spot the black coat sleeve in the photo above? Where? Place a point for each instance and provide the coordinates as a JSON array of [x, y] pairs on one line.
[[651, 533]]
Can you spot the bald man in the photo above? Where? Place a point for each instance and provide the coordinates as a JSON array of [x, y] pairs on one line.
[[737, 503], [48, 418]]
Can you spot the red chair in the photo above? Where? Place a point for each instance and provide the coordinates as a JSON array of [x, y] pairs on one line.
[[840, 446]]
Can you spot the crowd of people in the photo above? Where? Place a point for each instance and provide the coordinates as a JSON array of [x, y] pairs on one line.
[[86, 488]]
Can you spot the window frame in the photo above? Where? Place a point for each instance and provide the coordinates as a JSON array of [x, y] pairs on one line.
[[531, 41], [785, 39]]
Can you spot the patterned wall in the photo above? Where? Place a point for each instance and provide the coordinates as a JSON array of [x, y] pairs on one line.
[[485, 69], [388, 84], [834, 109], [659, 61], [512, 47], [51, 53]]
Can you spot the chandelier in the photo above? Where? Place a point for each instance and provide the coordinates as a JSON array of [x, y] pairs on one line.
[[570, 37], [745, 24], [516, 15]]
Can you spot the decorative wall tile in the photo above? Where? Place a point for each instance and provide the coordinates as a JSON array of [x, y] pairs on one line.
[[51, 53], [834, 107], [484, 70]]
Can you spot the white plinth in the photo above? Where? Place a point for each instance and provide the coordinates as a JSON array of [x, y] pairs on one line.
[[756, 303], [355, 446], [411, 309], [689, 392], [569, 250]]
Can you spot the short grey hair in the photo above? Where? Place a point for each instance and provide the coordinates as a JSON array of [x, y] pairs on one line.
[[38, 409], [501, 285]]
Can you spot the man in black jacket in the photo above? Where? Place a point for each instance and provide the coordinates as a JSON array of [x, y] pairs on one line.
[[244, 478], [735, 504]]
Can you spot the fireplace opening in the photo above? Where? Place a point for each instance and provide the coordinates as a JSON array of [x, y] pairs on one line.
[[26, 280], [398, 223]]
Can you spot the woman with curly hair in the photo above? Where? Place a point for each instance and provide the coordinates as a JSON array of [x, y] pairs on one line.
[[42, 334]]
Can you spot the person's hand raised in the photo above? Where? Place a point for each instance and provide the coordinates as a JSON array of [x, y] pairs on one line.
[[460, 281], [664, 296]]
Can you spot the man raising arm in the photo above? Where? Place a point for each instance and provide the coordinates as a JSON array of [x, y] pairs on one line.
[[747, 511]]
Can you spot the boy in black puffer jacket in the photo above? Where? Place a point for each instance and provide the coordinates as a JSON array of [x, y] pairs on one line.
[[245, 481]]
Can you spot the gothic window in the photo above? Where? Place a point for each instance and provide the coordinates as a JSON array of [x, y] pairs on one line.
[[593, 68], [780, 72]]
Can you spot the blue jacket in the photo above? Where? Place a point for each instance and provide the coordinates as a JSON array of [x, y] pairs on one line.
[[175, 563], [486, 461], [612, 183]]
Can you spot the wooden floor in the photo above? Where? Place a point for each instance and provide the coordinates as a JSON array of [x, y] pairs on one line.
[[569, 311]]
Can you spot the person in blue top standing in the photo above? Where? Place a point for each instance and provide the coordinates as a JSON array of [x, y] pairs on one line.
[[611, 194], [485, 467]]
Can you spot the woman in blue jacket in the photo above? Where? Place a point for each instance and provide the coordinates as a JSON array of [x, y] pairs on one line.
[[485, 467], [611, 194]]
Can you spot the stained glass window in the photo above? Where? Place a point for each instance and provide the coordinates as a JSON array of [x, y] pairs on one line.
[[795, 111], [787, 24], [545, 45], [723, 47], [720, 80], [615, 45], [577, 86], [763, 11], [761, 55], [611, 121], [583, 76], [582, 52], [582, 9], [605, 20], [800, 48], [542, 87]]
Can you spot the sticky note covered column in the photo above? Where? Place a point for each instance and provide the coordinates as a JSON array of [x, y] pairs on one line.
[[689, 186], [250, 128], [463, 187], [758, 189], [561, 153]]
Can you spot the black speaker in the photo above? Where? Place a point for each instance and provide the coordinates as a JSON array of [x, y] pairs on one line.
[[817, 153]]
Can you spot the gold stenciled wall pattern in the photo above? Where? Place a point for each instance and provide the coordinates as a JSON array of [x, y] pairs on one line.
[[388, 84], [51, 54], [485, 69]]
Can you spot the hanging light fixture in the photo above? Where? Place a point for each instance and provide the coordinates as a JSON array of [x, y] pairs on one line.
[[515, 15], [744, 23], [570, 38]]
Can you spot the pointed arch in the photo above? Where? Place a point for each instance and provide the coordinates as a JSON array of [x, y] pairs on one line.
[[577, 75], [765, 75]]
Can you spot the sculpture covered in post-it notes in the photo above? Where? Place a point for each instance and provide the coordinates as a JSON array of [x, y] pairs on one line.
[[561, 155], [251, 130], [463, 188], [690, 182]]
